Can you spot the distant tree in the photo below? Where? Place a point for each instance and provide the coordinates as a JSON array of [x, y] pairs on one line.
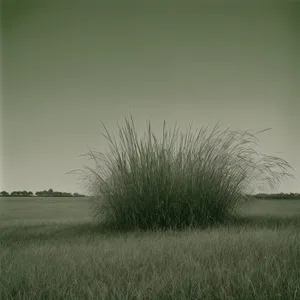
[[44, 193], [16, 193], [77, 195], [278, 196], [4, 194], [41, 193], [66, 194], [26, 194]]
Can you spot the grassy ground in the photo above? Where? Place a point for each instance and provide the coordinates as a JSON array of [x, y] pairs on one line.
[[50, 249]]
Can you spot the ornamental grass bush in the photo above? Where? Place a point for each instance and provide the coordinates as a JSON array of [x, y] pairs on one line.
[[197, 181]]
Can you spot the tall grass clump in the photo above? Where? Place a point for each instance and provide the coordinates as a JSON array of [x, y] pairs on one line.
[[200, 181]]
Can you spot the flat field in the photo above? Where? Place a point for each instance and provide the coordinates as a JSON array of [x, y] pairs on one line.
[[51, 249]]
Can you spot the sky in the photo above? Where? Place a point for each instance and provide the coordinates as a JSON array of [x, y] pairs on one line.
[[68, 65]]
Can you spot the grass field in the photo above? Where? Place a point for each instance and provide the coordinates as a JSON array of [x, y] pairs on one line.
[[51, 249]]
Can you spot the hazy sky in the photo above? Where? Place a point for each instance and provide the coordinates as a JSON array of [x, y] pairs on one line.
[[68, 65]]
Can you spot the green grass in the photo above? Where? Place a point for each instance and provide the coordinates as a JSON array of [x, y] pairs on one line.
[[200, 181], [170, 222], [256, 258], [20, 210]]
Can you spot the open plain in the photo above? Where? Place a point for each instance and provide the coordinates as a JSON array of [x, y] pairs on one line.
[[51, 249]]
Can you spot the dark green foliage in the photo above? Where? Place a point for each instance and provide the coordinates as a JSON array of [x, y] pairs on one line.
[[198, 182], [281, 196]]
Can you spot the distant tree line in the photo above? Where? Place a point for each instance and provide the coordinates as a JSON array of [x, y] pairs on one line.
[[49, 193], [277, 196]]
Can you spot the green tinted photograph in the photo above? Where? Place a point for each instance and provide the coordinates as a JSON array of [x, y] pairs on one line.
[[150, 150]]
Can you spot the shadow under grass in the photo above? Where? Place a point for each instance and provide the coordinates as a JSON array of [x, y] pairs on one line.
[[28, 234]]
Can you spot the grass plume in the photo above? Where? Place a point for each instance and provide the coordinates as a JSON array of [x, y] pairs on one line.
[[200, 181]]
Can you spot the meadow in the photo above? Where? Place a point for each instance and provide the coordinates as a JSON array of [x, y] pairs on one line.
[[50, 248], [165, 221]]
